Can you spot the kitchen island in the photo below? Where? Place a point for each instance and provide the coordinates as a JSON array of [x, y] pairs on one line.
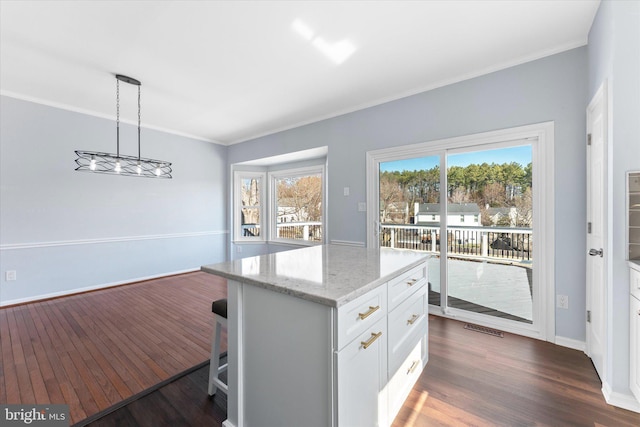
[[324, 336]]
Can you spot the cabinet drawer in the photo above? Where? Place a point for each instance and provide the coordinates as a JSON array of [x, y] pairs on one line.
[[634, 276], [356, 316], [407, 323], [402, 286], [401, 382]]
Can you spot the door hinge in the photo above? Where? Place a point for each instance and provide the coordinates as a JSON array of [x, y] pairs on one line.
[[588, 139], [589, 228], [588, 316]]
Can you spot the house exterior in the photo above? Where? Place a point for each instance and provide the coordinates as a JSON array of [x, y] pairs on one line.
[[458, 214], [502, 216]]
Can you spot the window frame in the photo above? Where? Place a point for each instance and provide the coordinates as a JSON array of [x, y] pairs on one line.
[[272, 177], [238, 177]]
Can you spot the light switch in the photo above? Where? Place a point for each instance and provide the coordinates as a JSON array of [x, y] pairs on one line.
[[346, 191]]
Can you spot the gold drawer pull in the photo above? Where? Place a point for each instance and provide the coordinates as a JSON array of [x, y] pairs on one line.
[[371, 340], [413, 319], [368, 313], [412, 282], [413, 367]]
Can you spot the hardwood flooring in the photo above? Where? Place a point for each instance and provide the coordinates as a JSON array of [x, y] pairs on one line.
[[96, 349], [93, 349]]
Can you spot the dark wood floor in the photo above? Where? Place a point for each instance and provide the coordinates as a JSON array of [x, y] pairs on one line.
[[96, 349], [471, 378]]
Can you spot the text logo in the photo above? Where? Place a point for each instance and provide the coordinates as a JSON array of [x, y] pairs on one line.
[[35, 415]]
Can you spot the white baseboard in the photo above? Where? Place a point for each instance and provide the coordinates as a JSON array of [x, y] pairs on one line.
[[571, 343], [621, 400], [90, 288]]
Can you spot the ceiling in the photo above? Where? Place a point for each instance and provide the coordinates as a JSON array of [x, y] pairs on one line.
[[229, 71]]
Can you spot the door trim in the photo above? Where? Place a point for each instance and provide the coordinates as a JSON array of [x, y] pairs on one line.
[[544, 218]]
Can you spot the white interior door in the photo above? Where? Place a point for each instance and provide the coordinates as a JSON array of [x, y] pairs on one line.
[[596, 229]]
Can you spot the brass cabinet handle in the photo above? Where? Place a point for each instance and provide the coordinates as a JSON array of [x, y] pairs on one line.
[[368, 313], [413, 367], [412, 282], [371, 340], [413, 319]]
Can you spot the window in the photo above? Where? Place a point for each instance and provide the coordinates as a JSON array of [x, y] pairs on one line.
[[297, 205], [289, 210], [249, 202]]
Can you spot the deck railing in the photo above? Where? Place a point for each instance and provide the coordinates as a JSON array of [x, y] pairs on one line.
[[300, 231], [505, 243]]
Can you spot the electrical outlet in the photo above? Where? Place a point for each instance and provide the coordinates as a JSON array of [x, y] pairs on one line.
[[10, 275], [346, 191], [562, 301], [238, 249]]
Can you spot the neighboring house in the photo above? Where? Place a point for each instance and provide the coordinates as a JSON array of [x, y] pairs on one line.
[[458, 214], [288, 212], [396, 213], [502, 216]]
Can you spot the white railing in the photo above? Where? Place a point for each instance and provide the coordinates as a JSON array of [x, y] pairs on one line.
[[496, 242], [311, 230]]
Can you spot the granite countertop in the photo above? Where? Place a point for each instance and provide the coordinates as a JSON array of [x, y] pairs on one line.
[[329, 274]]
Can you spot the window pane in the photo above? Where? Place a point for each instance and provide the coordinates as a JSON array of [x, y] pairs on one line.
[[489, 264], [299, 207], [250, 211], [409, 211]]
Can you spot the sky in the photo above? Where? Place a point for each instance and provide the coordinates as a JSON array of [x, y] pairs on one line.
[[520, 154]]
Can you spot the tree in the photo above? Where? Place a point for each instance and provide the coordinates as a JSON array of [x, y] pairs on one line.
[[524, 209], [390, 193], [493, 195], [250, 193], [459, 195], [303, 195]]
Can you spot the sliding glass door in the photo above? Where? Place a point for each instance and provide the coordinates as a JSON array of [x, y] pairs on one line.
[[473, 207], [489, 232], [409, 200]]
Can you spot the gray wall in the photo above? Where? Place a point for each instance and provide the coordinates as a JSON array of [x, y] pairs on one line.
[[614, 55], [549, 89], [63, 230]]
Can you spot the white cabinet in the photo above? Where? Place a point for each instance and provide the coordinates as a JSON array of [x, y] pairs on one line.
[[634, 343], [361, 377], [296, 362], [378, 367]]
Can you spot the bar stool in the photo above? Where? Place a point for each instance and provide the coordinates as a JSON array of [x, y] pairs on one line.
[[219, 309]]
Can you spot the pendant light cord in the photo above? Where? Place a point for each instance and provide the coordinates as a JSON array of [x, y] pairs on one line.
[[139, 122], [117, 118]]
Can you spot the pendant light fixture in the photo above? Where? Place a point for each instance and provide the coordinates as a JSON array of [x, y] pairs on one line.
[[118, 164]]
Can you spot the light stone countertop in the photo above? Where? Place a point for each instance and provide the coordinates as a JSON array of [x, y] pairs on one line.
[[635, 264], [330, 274]]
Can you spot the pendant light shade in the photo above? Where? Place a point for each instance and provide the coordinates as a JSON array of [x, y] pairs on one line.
[[118, 164]]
